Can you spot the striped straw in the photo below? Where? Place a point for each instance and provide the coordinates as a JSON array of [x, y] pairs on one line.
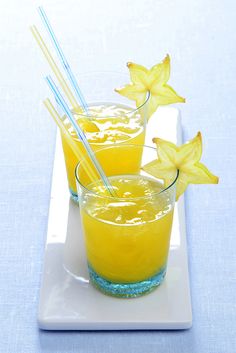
[[80, 134], [77, 151], [63, 59], [54, 66]]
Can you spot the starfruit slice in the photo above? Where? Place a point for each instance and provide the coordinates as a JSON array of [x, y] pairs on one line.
[[184, 158], [154, 82]]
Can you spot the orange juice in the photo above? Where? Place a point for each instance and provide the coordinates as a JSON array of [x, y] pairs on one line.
[[108, 124], [127, 238]]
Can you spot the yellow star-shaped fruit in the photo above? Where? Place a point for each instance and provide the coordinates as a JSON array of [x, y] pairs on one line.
[[184, 158], [154, 82]]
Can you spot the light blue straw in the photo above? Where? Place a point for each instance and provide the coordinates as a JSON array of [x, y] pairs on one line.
[[79, 132], [63, 60]]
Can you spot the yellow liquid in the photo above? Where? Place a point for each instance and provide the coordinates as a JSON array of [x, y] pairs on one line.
[[116, 128], [127, 241]]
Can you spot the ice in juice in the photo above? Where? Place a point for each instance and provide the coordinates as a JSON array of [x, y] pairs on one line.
[[127, 238], [109, 124]]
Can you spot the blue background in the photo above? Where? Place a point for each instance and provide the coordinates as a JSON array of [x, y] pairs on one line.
[[200, 36]]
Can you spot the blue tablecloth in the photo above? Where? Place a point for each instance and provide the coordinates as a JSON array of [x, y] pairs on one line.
[[200, 37]]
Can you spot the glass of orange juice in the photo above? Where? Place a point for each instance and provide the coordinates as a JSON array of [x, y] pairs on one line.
[[127, 236], [112, 120]]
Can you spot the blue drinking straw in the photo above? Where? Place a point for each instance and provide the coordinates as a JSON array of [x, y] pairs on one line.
[[63, 60], [59, 98]]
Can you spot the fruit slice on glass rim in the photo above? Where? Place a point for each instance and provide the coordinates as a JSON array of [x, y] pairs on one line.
[[184, 158], [154, 82]]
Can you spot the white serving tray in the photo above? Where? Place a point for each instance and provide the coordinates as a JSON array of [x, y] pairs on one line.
[[68, 301]]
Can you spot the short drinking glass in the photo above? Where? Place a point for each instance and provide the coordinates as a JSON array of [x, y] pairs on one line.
[[127, 236], [112, 120]]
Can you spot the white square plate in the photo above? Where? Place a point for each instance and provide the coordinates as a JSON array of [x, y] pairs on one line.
[[68, 301]]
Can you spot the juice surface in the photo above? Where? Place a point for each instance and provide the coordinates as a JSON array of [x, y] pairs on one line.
[[109, 124], [127, 240]]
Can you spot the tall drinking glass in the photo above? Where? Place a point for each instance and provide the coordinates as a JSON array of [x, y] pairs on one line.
[[127, 237], [112, 120]]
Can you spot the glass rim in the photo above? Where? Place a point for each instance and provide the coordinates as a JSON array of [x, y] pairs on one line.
[[104, 72], [117, 198]]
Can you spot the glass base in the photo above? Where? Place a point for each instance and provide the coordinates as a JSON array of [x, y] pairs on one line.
[[126, 290], [73, 196]]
